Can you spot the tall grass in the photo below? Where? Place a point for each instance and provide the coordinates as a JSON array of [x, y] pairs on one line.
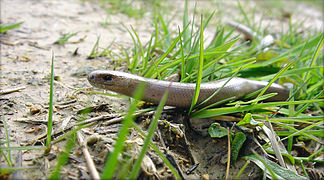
[[112, 161], [50, 112], [291, 59], [184, 53]]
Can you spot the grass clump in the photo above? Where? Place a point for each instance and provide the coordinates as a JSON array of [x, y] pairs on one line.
[[185, 52], [294, 60]]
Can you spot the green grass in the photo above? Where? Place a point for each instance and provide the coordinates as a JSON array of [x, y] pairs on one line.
[[63, 157], [158, 151], [98, 51], [200, 66], [65, 38], [5, 27], [112, 161], [134, 9], [148, 138], [7, 157], [50, 112], [9, 148], [292, 58], [127, 8]]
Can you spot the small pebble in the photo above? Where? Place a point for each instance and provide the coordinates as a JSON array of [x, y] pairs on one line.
[[205, 176], [93, 139], [28, 104], [35, 109]]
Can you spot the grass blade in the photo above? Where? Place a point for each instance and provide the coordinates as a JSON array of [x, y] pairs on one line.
[[185, 22], [200, 67], [246, 18], [228, 110], [23, 148], [9, 159], [273, 169], [308, 134], [112, 161], [301, 109], [315, 55], [63, 158], [156, 33], [303, 130], [157, 150], [216, 92], [94, 49], [183, 73], [4, 28], [150, 72], [282, 70], [65, 38], [149, 136], [242, 169], [133, 63], [141, 47], [50, 112], [165, 29]]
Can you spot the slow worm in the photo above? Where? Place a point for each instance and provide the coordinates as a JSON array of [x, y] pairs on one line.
[[181, 94]]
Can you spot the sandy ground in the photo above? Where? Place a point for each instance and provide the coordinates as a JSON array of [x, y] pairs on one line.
[[26, 54]]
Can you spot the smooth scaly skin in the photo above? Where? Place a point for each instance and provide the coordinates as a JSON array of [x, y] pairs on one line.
[[181, 94]]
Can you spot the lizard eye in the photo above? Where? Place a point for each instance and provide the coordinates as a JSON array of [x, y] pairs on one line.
[[108, 78], [91, 76]]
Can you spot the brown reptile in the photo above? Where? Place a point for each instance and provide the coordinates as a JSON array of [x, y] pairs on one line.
[[181, 94]]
